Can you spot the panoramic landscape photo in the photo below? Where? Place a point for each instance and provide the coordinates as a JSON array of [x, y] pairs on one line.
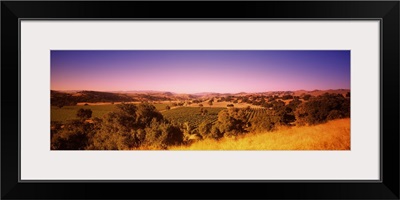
[[200, 100]]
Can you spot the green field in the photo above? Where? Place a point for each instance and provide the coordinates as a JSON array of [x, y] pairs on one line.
[[161, 106], [191, 115], [69, 112]]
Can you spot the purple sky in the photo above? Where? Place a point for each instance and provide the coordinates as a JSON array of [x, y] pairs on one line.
[[192, 71]]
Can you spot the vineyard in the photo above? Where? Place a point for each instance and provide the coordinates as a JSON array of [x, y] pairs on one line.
[[192, 115], [255, 112]]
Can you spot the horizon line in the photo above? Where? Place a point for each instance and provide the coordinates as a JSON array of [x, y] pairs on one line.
[[79, 90]]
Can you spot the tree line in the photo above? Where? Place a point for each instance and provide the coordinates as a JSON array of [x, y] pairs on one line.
[[61, 99]]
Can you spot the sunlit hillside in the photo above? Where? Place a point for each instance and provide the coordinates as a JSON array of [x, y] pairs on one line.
[[333, 135]]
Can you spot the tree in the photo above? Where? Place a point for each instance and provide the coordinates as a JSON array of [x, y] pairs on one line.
[[278, 106], [288, 96], [210, 102], [167, 107], [129, 126], [215, 132], [74, 136], [162, 135], [84, 114], [294, 104], [288, 114], [306, 97], [125, 127], [322, 108], [119, 130], [263, 123], [188, 129], [205, 129], [334, 114], [271, 98], [231, 121], [145, 113]]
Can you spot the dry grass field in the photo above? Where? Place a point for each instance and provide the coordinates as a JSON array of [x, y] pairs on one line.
[[333, 135]]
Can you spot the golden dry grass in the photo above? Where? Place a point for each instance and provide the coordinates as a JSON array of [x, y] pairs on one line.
[[333, 135]]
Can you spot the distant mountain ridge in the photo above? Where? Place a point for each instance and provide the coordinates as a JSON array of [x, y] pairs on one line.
[[141, 95]]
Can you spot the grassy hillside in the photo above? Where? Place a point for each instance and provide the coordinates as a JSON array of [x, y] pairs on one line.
[[333, 135], [69, 99]]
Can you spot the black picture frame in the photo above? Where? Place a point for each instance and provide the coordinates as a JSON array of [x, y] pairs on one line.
[[386, 11]]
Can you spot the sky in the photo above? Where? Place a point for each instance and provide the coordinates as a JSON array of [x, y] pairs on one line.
[[195, 71]]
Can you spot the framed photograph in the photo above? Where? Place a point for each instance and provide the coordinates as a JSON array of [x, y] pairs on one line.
[[200, 100]]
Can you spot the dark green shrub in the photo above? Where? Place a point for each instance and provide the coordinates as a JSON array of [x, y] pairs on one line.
[[124, 128], [215, 132], [73, 136], [84, 114], [306, 97], [232, 121], [334, 114], [205, 129], [317, 109], [263, 123], [162, 135]]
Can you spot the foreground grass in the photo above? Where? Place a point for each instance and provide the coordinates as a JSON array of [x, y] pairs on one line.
[[333, 135]]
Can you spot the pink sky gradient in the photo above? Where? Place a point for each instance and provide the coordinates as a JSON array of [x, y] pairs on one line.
[[200, 71]]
